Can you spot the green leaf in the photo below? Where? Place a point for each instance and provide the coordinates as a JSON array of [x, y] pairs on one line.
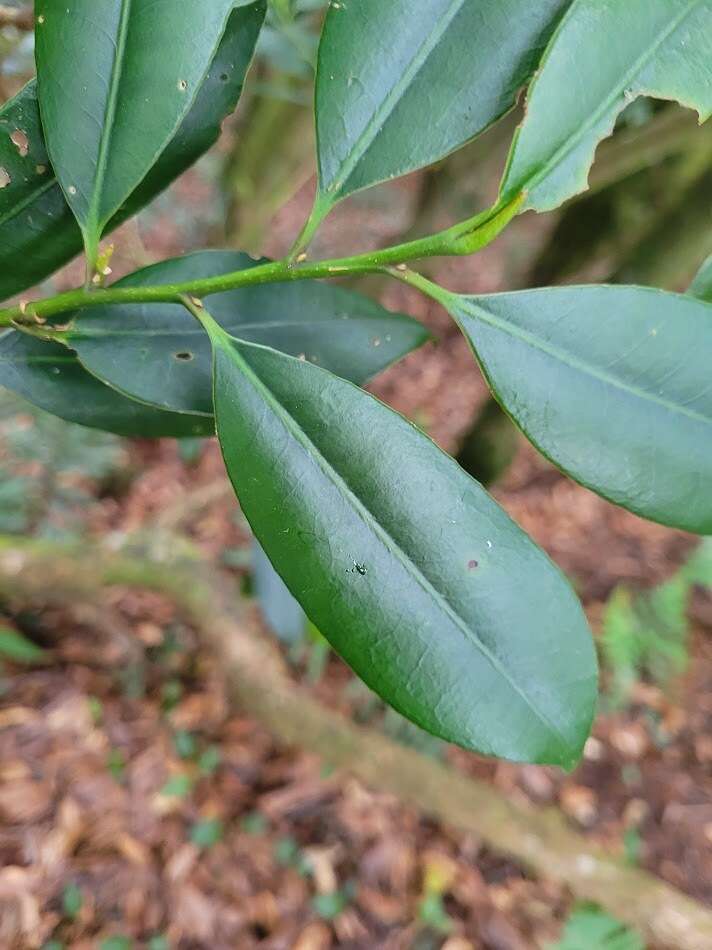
[[329, 906], [612, 384], [621, 645], [702, 284], [209, 760], [646, 634], [72, 900], [51, 377], [589, 928], [116, 943], [254, 824], [399, 88], [207, 832], [38, 232], [186, 744], [433, 913], [603, 56], [159, 354], [415, 576], [15, 647], [178, 786], [116, 79], [698, 570]]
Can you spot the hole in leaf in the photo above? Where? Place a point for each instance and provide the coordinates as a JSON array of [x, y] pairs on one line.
[[21, 142], [4, 177], [184, 357]]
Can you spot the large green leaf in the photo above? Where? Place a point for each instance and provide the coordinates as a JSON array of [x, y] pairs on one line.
[[38, 232], [116, 78], [702, 284], [604, 55], [405, 564], [158, 353], [399, 88], [613, 384], [50, 376]]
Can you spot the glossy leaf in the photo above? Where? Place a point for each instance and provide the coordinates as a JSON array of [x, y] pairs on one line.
[[405, 564], [702, 284], [158, 353], [399, 88], [612, 384], [50, 376], [38, 232], [602, 57], [116, 78]]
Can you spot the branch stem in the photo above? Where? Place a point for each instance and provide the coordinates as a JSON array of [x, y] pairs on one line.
[[464, 238]]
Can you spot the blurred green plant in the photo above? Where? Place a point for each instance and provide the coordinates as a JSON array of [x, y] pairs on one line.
[[178, 786], [645, 633], [72, 901], [116, 764], [206, 833], [329, 906], [51, 469], [18, 649], [589, 928]]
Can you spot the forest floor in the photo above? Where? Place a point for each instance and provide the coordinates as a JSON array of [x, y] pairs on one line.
[[135, 802]]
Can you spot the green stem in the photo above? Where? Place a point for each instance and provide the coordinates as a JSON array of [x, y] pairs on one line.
[[425, 286], [318, 213], [195, 308], [464, 238], [91, 253]]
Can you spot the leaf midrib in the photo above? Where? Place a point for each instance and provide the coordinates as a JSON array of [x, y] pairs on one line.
[[375, 526], [577, 137], [486, 316], [94, 222], [370, 132], [82, 333]]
